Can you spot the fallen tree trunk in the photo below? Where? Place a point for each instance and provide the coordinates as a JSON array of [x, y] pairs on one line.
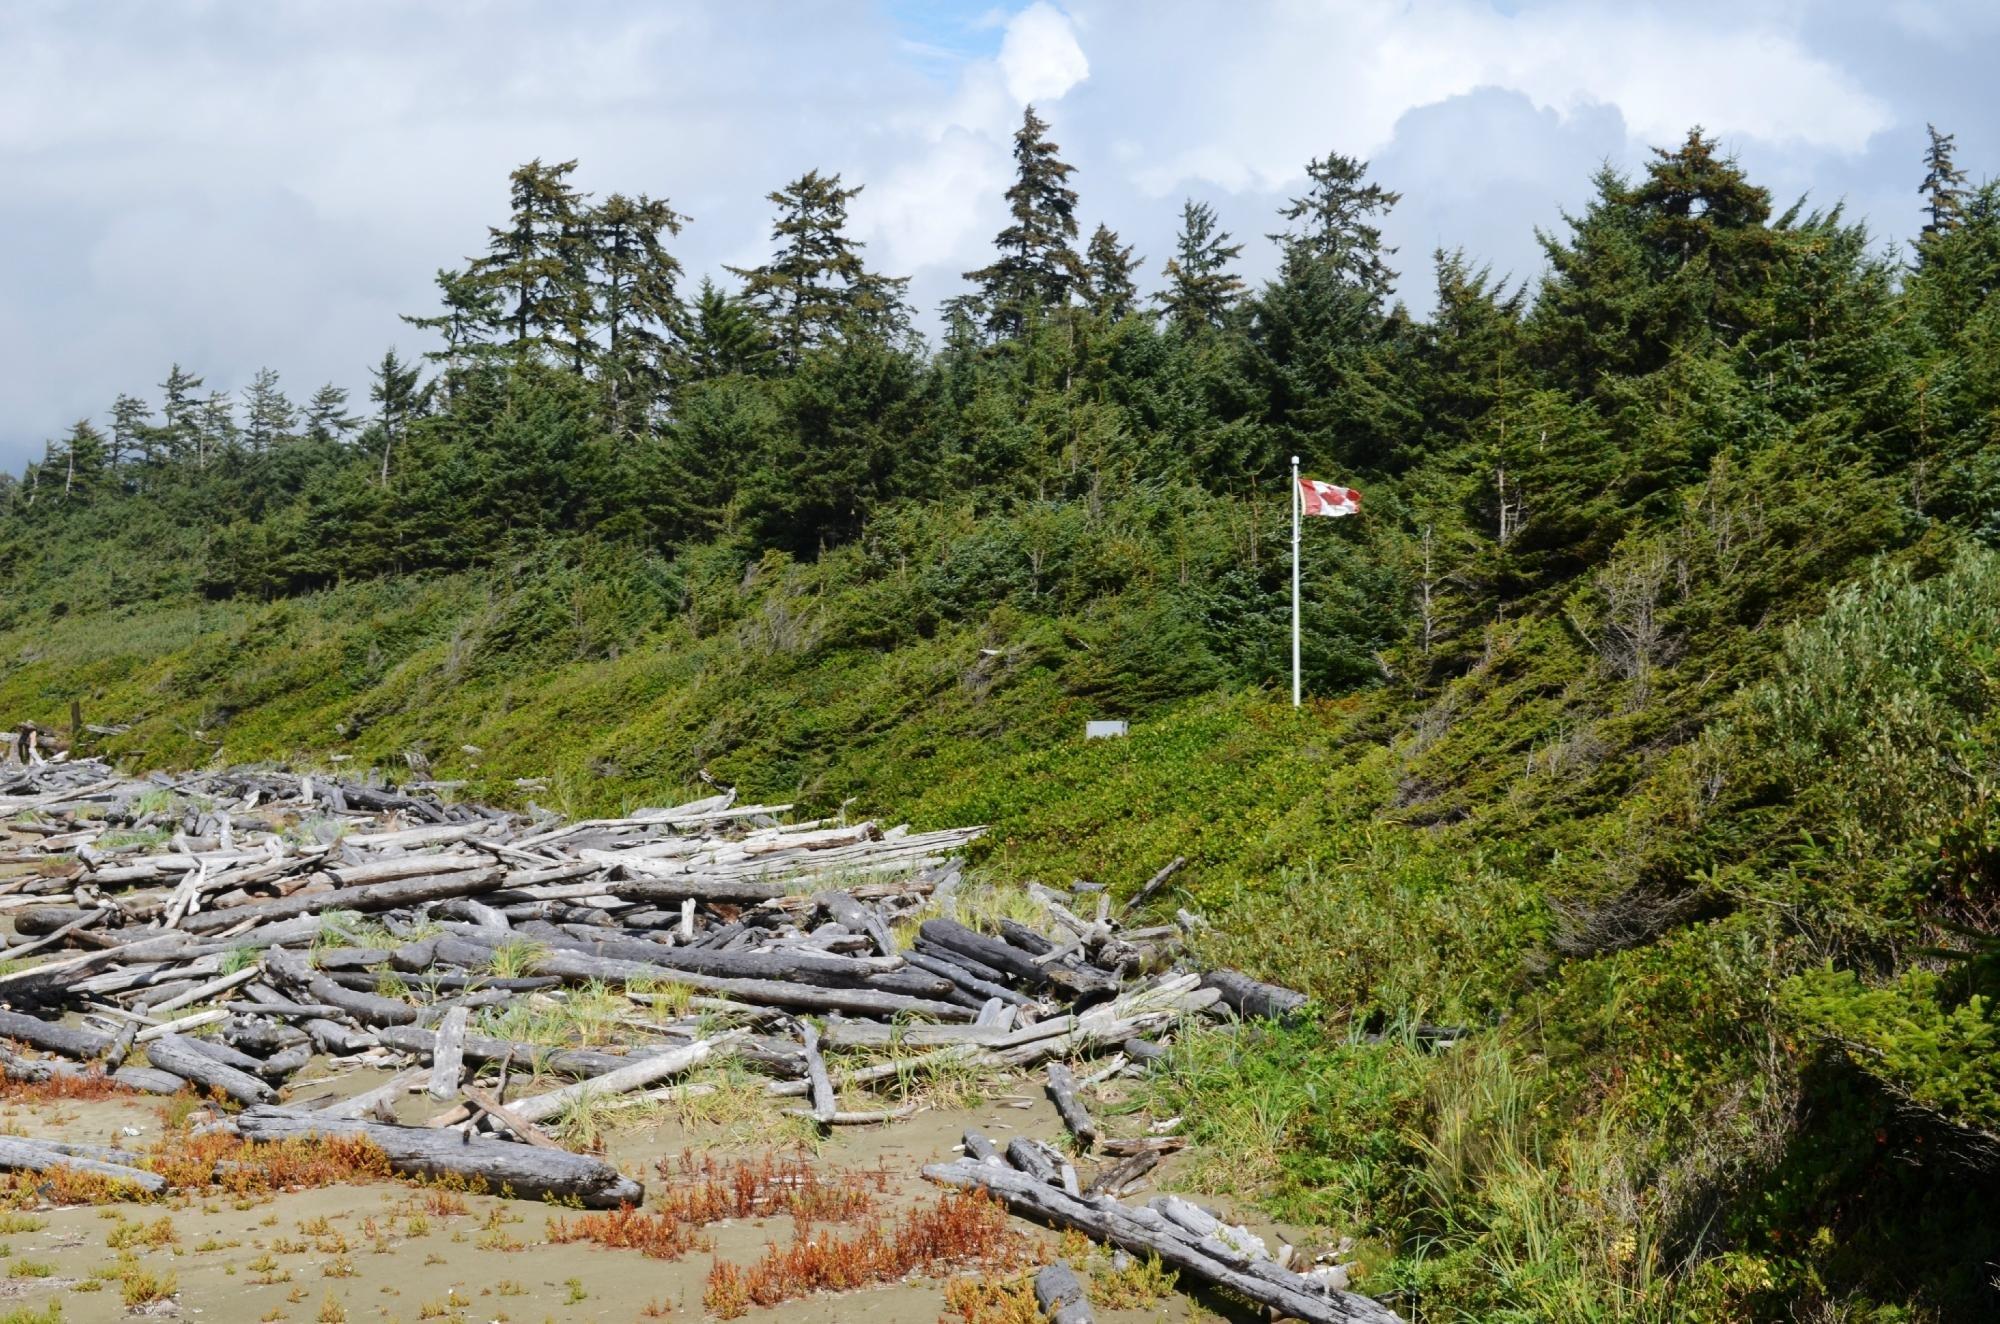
[[22, 1155], [171, 1053], [1108, 1221], [375, 896], [526, 1172], [1253, 999]]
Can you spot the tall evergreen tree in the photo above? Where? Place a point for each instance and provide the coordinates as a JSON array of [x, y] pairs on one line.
[[179, 438], [725, 336], [326, 418], [1334, 222], [1944, 184], [396, 397], [637, 295], [1108, 271], [538, 263], [467, 323], [1036, 268], [1200, 287], [84, 460], [268, 416], [815, 283], [131, 424], [218, 431]]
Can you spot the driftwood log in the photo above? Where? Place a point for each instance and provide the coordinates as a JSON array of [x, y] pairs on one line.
[[527, 1171]]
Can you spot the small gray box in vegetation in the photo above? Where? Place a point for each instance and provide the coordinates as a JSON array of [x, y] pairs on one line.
[[1102, 730]]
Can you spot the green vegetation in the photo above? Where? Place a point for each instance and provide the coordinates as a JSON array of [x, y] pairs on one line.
[[1657, 723]]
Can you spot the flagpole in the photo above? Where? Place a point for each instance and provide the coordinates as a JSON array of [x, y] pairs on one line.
[[1295, 581]]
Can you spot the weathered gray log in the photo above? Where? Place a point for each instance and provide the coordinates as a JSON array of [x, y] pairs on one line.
[[1036, 1159], [1005, 958], [576, 967], [448, 1054], [1143, 1051], [284, 1062], [1060, 1295], [824, 1104], [858, 918], [979, 1147], [1112, 1223], [120, 1047], [525, 1171], [47, 1035], [1154, 884], [1252, 999], [375, 896], [421, 1043], [1061, 1090], [173, 1054], [223, 1053], [791, 964], [1113, 1180], [966, 980], [22, 1155]]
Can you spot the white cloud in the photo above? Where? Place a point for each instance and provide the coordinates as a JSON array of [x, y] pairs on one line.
[[230, 185], [1040, 56]]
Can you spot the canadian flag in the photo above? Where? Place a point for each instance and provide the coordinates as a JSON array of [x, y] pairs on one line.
[[1317, 498]]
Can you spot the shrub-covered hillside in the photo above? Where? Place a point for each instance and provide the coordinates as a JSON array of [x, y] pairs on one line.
[[1655, 713]]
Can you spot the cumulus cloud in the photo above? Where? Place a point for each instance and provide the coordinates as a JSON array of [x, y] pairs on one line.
[[231, 185], [1039, 56]]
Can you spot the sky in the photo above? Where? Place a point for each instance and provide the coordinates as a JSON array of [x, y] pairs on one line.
[[232, 184]]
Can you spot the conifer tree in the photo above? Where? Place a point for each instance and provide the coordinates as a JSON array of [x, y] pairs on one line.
[[131, 424], [1037, 267], [217, 430], [83, 453], [326, 418], [726, 336], [1200, 287], [268, 416], [537, 264], [1108, 270], [815, 283], [467, 323], [179, 436], [396, 396], [1944, 184], [637, 295], [1333, 223]]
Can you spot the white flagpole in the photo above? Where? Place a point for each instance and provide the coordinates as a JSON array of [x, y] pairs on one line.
[[1295, 581]]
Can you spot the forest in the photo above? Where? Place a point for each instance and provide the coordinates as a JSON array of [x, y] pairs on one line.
[[1654, 720]]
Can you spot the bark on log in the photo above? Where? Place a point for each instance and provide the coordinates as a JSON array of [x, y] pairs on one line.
[[824, 1104], [526, 1171], [172, 1053], [1062, 1092], [1252, 999], [1060, 1295], [376, 896], [1107, 1221], [50, 1037], [448, 1055], [21, 1155]]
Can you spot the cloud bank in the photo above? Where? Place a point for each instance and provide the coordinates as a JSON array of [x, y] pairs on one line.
[[234, 185]]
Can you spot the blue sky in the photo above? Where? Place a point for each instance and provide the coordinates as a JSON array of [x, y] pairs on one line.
[[239, 183]]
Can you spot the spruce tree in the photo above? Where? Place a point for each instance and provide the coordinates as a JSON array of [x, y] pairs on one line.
[[268, 416], [84, 461], [216, 428], [637, 295], [467, 323], [1036, 267], [1944, 184], [326, 418], [1200, 287], [396, 395], [131, 426], [179, 438], [725, 336], [1108, 269], [1334, 223], [537, 265], [815, 283]]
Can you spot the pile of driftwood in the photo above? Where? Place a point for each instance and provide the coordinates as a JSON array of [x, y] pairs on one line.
[[253, 933]]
